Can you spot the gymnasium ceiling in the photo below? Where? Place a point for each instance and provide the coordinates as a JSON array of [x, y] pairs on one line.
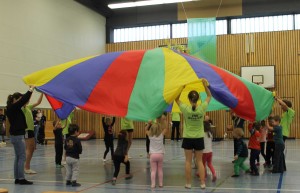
[[276, 6]]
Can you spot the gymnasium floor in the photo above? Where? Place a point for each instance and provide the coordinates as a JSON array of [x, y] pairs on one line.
[[95, 176]]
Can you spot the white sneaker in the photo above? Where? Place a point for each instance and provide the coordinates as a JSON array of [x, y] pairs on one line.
[[29, 171], [202, 186], [63, 163], [104, 160]]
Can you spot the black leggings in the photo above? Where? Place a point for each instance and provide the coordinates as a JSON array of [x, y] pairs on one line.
[[117, 162], [58, 153], [109, 144], [270, 152], [262, 151], [147, 144], [175, 126]]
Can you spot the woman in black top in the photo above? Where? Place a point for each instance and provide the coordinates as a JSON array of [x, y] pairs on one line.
[[17, 128], [108, 136]]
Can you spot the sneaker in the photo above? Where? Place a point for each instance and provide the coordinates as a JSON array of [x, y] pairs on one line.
[[25, 182], [214, 179], [202, 186], [75, 184], [68, 183], [128, 176], [113, 181], [30, 171], [188, 186], [63, 163], [59, 166], [103, 159], [235, 176], [254, 174]]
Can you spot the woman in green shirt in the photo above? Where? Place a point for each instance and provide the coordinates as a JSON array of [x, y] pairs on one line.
[[29, 134], [193, 132]]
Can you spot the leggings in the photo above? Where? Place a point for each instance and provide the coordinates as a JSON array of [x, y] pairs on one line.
[[262, 151], [207, 158], [117, 162], [175, 126], [156, 161], [109, 144]]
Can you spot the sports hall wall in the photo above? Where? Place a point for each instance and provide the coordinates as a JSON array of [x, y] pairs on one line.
[[36, 34]]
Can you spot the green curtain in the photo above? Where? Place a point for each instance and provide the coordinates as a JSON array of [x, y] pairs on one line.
[[202, 39]]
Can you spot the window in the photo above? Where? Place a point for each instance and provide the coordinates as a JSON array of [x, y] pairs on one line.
[[297, 21], [180, 30], [142, 33], [262, 24]]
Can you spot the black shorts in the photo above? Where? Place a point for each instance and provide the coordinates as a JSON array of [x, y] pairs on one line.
[[196, 144], [128, 130], [29, 134]]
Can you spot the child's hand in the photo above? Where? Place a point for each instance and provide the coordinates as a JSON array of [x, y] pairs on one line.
[[236, 157], [126, 158]]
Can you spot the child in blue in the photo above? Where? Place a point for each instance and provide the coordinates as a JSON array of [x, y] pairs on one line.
[[279, 161], [241, 153], [73, 149]]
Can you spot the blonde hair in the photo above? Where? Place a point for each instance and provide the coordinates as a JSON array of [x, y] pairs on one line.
[[238, 132], [155, 130]]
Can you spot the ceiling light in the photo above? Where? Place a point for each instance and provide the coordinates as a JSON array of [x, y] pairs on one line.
[[144, 3]]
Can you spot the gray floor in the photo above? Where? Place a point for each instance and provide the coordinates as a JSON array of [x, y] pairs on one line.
[[95, 176]]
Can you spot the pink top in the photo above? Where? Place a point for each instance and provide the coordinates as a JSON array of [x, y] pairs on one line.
[[263, 134]]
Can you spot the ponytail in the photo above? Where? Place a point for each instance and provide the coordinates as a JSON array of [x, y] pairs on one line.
[[194, 107], [193, 97], [10, 98]]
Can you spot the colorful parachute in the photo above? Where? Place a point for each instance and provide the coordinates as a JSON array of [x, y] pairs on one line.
[[141, 84]]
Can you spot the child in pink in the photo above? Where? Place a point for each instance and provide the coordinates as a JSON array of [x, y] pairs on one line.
[[207, 152], [156, 136]]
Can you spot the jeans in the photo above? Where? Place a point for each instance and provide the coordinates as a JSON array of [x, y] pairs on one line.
[[18, 142], [36, 132]]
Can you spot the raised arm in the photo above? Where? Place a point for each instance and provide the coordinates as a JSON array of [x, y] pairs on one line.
[[208, 93], [25, 98], [147, 127], [39, 101], [164, 124], [113, 121], [283, 105]]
